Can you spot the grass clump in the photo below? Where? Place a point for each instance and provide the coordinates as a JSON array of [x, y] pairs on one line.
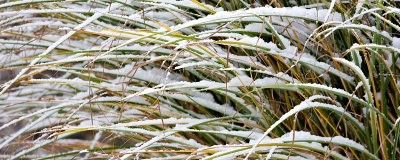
[[193, 79]]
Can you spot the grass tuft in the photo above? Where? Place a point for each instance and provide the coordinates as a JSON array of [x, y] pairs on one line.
[[190, 79]]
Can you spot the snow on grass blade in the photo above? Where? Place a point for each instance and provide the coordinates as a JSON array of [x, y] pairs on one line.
[[307, 104], [168, 133], [58, 42], [270, 48], [142, 76], [295, 12], [360, 74]]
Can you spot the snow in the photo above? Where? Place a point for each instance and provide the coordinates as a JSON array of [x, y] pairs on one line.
[[167, 121], [279, 75], [357, 26], [87, 123], [271, 48], [83, 151], [297, 12], [9, 4], [241, 81], [57, 43], [329, 10], [360, 73], [396, 42], [396, 50], [227, 110], [172, 89], [185, 3], [135, 47], [58, 80], [299, 136], [201, 63], [154, 75], [239, 101], [306, 104], [229, 154], [256, 27], [15, 44], [26, 127], [137, 99], [31, 27], [86, 58], [159, 136], [204, 84], [379, 95], [64, 29], [242, 134], [271, 152], [171, 157], [229, 33], [267, 81], [48, 122], [162, 5], [331, 90], [49, 110], [397, 120], [359, 5], [34, 11]]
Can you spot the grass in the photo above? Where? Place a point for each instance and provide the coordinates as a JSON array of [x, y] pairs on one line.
[[218, 79]]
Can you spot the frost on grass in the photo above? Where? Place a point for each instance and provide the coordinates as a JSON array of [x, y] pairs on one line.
[[189, 79]]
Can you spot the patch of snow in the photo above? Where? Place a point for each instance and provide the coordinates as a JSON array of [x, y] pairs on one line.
[[256, 27]]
